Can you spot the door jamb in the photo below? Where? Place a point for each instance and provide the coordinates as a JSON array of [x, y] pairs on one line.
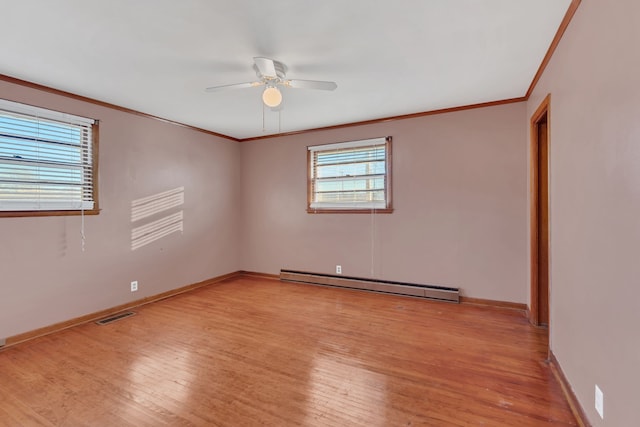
[[544, 108]]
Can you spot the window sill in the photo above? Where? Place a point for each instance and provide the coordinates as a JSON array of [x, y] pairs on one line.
[[14, 214], [349, 211]]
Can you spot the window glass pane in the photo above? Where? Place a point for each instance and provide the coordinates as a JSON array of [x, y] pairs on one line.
[[350, 185], [369, 168], [357, 196], [26, 173], [351, 156]]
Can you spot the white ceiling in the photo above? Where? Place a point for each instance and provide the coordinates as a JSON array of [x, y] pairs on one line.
[[389, 58]]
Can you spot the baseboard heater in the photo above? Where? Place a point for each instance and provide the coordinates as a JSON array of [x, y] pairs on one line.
[[439, 293]]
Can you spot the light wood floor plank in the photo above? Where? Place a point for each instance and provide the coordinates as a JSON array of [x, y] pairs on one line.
[[252, 351]]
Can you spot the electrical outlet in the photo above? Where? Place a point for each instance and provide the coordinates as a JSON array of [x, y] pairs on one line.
[[599, 402], [338, 269], [134, 286]]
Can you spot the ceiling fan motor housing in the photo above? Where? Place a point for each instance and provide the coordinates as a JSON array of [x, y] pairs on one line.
[[281, 71]]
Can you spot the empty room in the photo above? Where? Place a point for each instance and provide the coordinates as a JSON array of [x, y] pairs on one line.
[[297, 213]]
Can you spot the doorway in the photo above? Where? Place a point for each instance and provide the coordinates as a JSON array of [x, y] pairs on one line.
[[539, 205]]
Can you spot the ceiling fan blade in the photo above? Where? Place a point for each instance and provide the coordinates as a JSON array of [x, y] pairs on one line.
[[265, 66], [311, 84], [233, 86]]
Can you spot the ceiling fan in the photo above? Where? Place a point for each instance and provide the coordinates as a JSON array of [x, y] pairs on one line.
[[272, 74]]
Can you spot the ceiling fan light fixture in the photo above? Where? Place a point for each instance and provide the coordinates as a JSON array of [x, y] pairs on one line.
[[271, 97]]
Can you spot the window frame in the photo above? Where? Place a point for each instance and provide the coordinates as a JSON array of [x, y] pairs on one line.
[[351, 210], [53, 115]]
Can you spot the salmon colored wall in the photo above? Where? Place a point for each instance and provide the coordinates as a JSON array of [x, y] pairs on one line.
[[595, 206], [460, 199], [45, 278]]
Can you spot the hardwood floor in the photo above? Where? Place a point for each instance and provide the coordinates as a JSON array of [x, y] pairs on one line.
[[252, 351]]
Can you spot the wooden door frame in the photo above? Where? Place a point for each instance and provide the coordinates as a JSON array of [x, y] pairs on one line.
[[543, 110]]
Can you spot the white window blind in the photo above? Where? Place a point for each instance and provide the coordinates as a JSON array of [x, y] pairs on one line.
[[350, 175], [46, 159]]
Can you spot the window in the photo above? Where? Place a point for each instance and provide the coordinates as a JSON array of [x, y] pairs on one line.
[[46, 162], [350, 177]]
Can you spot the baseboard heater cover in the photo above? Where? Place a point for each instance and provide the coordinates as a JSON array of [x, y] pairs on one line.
[[115, 318], [439, 293]]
